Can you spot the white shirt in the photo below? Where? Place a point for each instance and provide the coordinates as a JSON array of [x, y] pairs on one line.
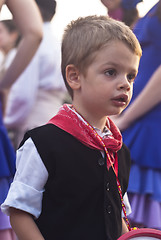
[[27, 189]]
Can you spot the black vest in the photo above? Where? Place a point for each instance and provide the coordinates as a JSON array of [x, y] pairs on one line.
[[81, 199]]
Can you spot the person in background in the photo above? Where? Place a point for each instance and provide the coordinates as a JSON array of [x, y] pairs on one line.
[[70, 171], [30, 26], [28, 19], [9, 40], [141, 125], [39, 91], [123, 10]]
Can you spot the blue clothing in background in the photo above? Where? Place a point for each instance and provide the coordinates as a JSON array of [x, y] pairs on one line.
[[143, 137], [7, 153], [7, 170]]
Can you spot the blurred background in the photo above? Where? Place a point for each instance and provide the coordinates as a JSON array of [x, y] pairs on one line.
[[72, 9]]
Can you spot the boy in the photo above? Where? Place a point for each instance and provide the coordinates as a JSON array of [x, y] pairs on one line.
[[78, 156]]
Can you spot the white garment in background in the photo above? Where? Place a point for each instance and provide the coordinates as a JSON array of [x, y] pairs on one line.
[[39, 92], [6, 61]]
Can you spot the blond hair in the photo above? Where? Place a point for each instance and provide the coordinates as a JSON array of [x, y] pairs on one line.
[[87, 35]]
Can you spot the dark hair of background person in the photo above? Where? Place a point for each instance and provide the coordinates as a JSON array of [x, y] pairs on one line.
[[130, 16], [130, 12], [158, 11], [47, 9], [12, 27]]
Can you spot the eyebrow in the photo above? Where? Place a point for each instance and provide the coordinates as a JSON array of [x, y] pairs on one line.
[[118, 65]]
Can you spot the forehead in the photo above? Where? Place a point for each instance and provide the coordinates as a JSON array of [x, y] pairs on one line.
[[116, 53]]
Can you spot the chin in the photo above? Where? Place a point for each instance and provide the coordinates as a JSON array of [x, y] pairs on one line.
[[114, 113]]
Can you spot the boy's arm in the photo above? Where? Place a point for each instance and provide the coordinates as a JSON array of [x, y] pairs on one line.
[[124, 227], [24, 225]]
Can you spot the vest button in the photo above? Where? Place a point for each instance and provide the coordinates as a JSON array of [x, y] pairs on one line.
[[109, 209], [108, 186], [101, 161]]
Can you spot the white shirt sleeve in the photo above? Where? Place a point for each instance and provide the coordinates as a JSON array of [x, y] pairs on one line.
[[27, 188], [127, 205]]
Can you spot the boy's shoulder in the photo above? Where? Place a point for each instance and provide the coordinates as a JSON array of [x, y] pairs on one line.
[[49, 136], [43, 130], [42, 133], [124, 156], [124, 149]]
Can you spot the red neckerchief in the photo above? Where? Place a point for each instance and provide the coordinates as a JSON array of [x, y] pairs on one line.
[[69, 120]]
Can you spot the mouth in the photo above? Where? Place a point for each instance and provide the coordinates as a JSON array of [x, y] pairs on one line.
[[120, 100]]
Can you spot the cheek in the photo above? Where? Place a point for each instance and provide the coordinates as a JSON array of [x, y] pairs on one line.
[[130, 93]]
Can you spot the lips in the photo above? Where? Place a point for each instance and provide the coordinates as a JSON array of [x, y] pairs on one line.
[[121, 99]]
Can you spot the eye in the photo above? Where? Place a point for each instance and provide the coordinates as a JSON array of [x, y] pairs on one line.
[[131, 77], [110, 72]]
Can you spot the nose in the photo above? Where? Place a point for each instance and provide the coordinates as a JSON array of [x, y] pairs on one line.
[[124, 84]]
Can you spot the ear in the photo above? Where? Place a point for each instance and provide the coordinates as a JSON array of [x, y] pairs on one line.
[[73, 77]]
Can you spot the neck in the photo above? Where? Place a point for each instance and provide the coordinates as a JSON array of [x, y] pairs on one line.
[[92, 119]]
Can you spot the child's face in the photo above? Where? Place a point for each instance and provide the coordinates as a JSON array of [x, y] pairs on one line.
[[107, 86]]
